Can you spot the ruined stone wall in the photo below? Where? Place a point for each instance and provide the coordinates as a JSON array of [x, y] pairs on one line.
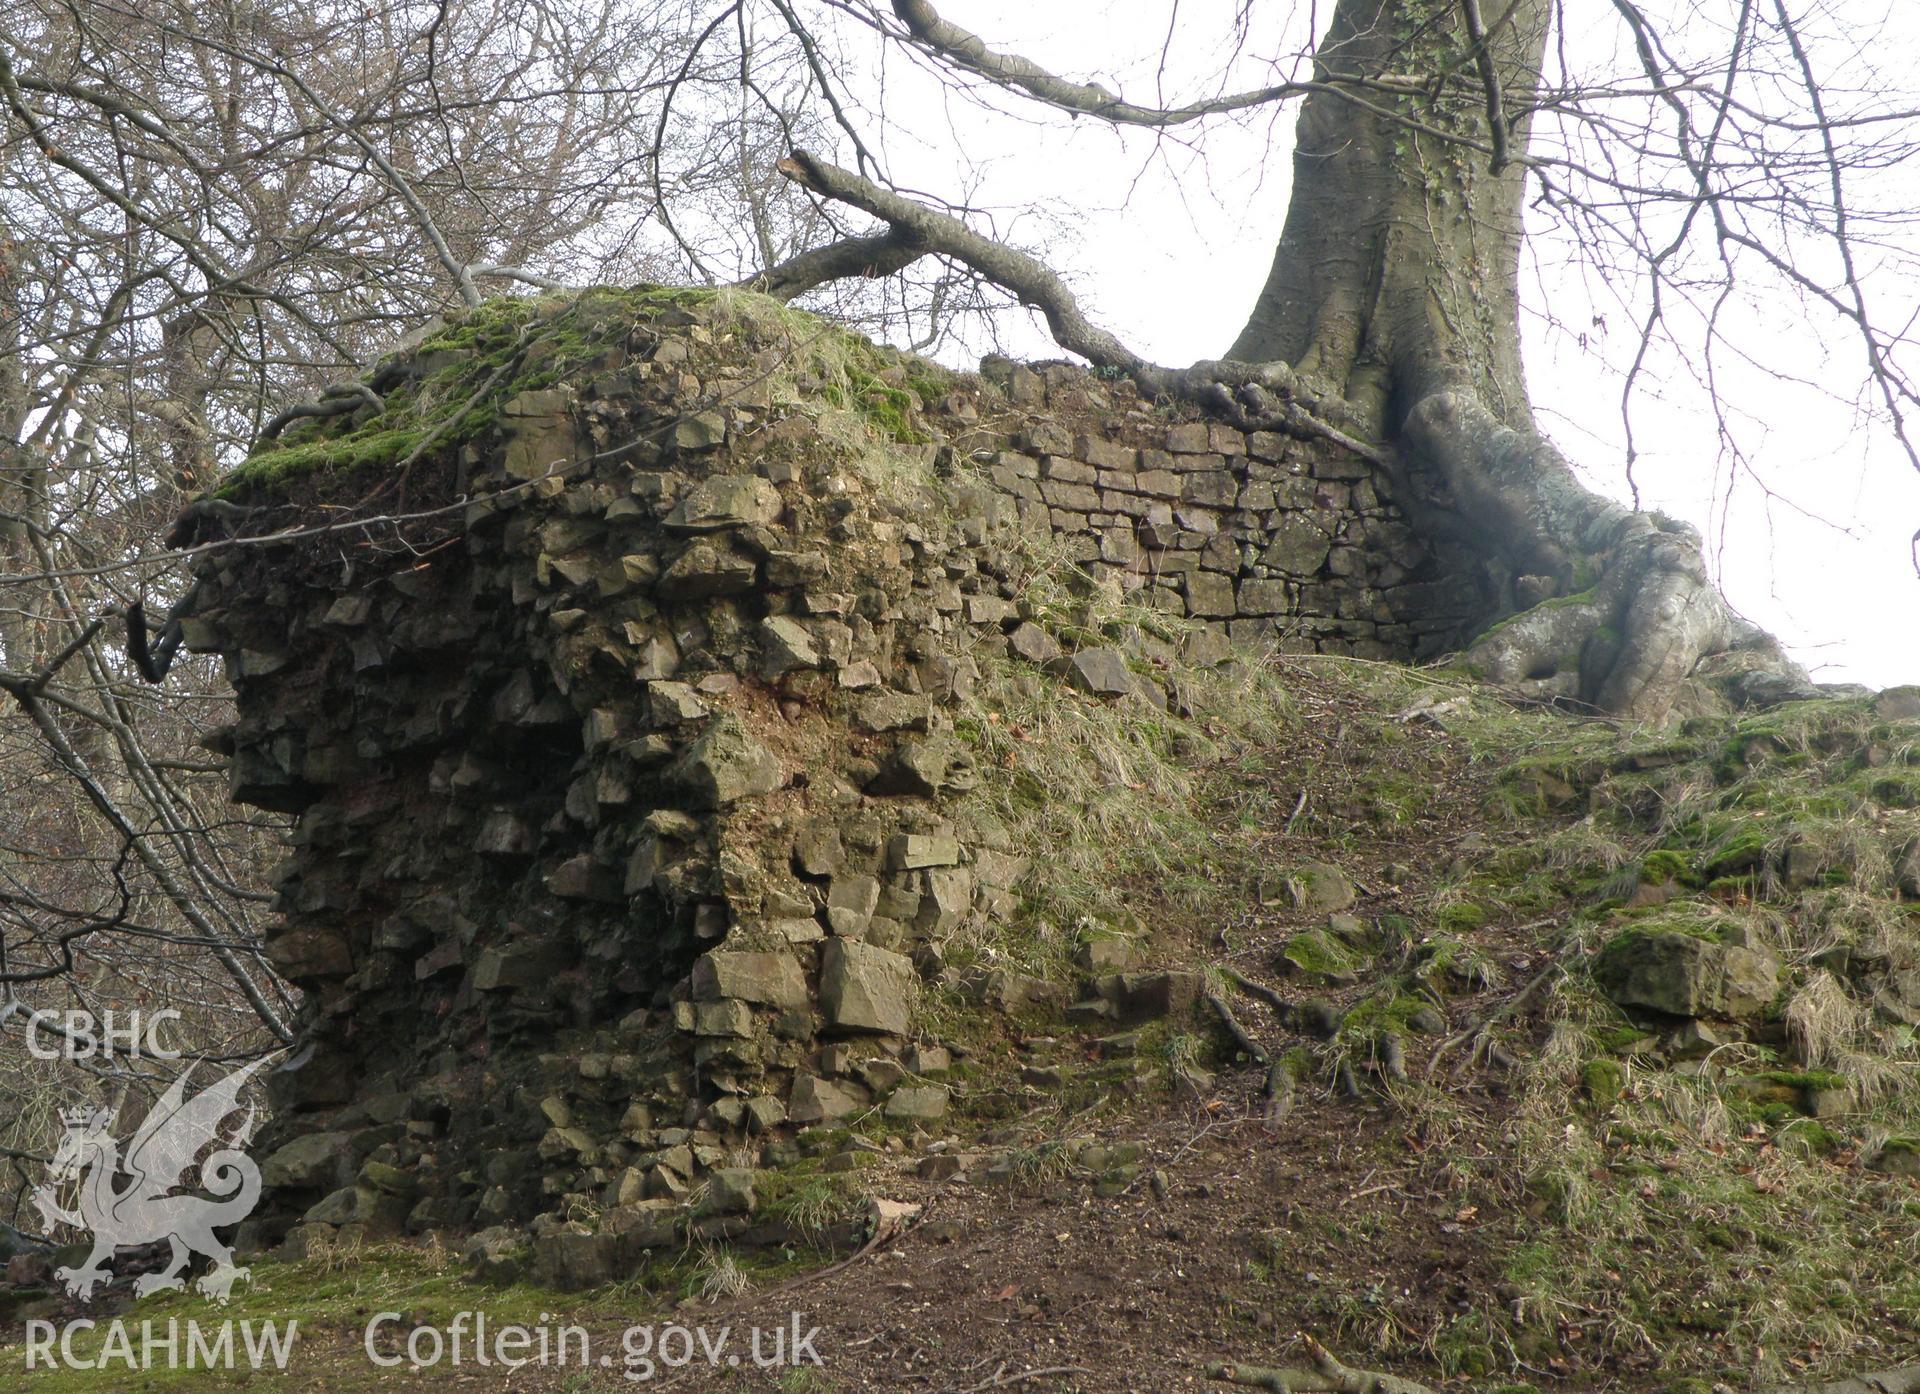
[[1272, 539], [631, 814]]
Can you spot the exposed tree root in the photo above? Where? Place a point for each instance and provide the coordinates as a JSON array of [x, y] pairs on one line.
[[1328, 1376], [1278, 1087], [1347, 1082], [1627, 610], [1485, 1047], [1260, 991], [1252, 1048], [1278, 1091], [1310, 1018], [1255, 397], [1390, 1058]]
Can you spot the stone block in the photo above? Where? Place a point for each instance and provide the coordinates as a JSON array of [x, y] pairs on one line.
[[1187, 437], [923, 1103], [1685, 974], [727, 1017], [1296, 547], [911, 851], [318, 1161], [1106, 454], [771, 978], [864, 988], [816, 1100], [725, 766], [1101, 672], [1033, 643], [725, 501], [1210, 488], [1209, 595]]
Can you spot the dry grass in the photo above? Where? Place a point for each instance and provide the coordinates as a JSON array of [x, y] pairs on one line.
[[719, 1276]]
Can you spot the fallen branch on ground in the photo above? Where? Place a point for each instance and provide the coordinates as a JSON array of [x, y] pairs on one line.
[[889, 1220], [1001, 1379], [1480, 1031], [1328, 1376]]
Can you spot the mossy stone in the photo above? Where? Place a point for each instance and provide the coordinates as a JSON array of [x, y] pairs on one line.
[[1602, 1081]]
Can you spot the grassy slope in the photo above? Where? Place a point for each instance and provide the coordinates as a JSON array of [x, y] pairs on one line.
[[1628, 1216], [1662, 1217]]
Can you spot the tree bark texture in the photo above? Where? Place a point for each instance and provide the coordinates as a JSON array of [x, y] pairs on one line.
[[1395, 287]]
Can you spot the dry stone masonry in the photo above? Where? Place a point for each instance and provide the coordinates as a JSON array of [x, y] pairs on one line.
[[631, 817], [1270, 539]]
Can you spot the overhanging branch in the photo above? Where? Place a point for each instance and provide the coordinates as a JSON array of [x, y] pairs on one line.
[[1254, 396], [966, 49], [881, 254], [914, 224]]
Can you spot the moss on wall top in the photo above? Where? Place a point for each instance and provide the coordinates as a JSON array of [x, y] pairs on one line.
[[450, 387]]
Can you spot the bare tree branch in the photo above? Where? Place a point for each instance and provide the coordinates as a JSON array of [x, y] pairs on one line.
[[968, 50], [881, 254], [1014, 270], [1481, 40]]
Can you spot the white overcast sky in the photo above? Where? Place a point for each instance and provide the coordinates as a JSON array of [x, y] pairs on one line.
[[1167, 244]]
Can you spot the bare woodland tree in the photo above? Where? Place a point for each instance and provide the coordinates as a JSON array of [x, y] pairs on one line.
[[210, 211]]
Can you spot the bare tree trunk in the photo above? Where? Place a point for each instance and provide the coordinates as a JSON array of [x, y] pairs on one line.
[[1395, 286], [1397, 270]]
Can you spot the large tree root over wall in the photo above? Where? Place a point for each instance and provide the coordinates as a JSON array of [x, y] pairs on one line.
[[1618, 611]]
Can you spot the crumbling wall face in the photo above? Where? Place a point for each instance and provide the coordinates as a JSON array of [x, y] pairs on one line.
[[1273, 539], [631, 815]]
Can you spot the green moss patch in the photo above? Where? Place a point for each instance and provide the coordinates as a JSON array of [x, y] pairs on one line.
[[1319, 953]]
